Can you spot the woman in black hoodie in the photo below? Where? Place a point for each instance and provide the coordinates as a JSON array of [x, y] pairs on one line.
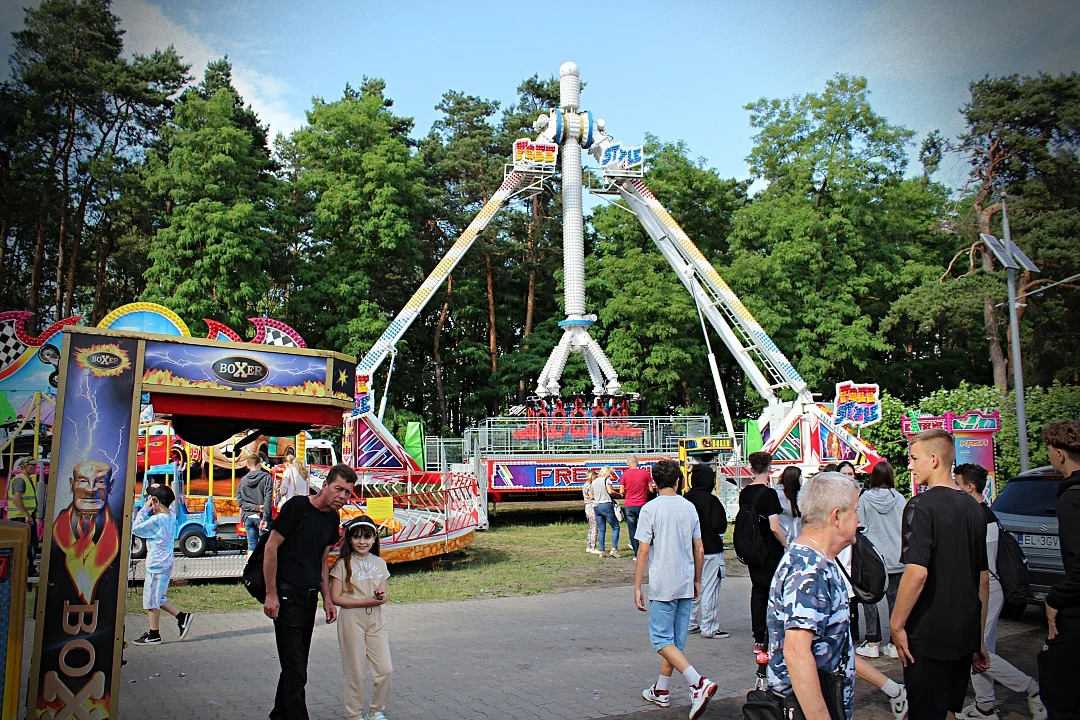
[[705, 609]]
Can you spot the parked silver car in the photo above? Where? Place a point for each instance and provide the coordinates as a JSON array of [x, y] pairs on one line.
[[1026, 508]]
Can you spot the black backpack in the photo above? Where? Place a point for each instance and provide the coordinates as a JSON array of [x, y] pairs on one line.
[[1012, 568], [868, 577], [253, 571], [749, 544]]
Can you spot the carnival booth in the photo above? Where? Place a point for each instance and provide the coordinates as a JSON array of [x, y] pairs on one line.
[[974, 439], [210, 390]]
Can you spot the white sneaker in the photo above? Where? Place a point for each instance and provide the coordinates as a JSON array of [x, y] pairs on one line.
[[662, 698], [889, 651], [972, 712], [868, 649], [899, 704], [699, 696], [377, 715], [1036, 707]]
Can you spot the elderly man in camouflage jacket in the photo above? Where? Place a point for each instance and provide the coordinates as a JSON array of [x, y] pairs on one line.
[[809, 616]]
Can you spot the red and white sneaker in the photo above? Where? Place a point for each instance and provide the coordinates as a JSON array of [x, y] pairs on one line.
[[699, 696], [660, 697]]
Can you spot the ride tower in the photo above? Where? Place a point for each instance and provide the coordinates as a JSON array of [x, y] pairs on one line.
[[573, 131], [550, 448]]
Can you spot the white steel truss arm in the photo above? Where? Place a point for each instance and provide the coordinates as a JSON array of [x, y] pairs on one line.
[[390, 337], [738, 328]]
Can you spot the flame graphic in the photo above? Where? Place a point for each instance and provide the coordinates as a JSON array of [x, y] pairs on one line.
[[97, 708], [311, 388], [85, 556]]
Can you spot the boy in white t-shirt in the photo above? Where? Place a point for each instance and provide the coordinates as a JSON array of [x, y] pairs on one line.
[[669, 545]]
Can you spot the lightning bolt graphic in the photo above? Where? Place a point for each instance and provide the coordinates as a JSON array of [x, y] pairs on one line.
[[92, 417]]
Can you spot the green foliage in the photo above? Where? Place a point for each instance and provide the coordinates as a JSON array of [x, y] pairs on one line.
[[211, 258], [363, 197], [75, 115], [837, 235]]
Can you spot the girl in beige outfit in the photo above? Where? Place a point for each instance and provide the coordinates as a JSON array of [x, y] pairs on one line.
[[358, 587]]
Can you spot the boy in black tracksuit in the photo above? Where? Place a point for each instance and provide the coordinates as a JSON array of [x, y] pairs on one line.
[[1060, 657]]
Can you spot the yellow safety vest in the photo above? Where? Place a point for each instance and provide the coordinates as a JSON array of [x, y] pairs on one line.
[[29, 497]]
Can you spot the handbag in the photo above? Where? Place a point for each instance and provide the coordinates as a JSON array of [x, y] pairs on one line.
[[768, 705], [619, 514]]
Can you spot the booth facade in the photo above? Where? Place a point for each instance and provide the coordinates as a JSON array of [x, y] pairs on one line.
[[211, 390]]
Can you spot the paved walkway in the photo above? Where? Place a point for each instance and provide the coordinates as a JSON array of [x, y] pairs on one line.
[[582, 654]]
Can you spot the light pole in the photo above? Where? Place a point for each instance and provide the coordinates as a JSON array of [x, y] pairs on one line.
[[1013, 258]]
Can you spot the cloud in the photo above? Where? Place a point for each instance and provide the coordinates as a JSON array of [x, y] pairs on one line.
[[147, 28]]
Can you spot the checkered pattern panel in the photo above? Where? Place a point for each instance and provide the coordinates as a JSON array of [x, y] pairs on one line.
[[276, 337], [11, 348]]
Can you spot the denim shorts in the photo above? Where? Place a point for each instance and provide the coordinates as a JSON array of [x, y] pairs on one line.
[[155, 587], [669, 621]]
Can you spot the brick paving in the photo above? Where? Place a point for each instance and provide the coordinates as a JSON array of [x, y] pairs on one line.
[[581, 654]]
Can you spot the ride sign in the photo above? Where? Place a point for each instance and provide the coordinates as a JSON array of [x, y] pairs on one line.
[[857, 404], [531, 155]]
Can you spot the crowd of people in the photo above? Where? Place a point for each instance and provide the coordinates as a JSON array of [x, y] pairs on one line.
[[936, 611], [940, 600], [941, 593]]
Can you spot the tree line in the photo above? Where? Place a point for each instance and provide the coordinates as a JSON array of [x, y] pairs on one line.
[[123, 179]]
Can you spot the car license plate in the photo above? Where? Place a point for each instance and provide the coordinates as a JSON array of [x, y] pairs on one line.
[[1049, 542]]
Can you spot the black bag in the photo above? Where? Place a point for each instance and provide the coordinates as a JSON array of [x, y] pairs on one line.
[[767, 705], [1012, 568], [749, 544], [868, 577], [253, 571]]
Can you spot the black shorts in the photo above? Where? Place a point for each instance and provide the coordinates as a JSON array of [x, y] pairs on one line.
[[934, 687]]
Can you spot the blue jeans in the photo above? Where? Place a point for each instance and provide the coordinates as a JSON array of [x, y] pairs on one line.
[[251, 526], [631, 524], [605, 515]]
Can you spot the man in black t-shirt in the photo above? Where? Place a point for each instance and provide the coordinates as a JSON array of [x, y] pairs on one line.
[[295, 569], [763, 497], [937, 624]]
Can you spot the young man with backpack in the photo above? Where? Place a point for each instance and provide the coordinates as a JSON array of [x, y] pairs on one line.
[[1060, 655], [759, 541], [972, 478]]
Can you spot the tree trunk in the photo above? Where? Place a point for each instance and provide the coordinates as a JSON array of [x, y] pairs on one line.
[[492, 345], [440, 390], [990, 313], [60, 258], [39, 258], [73, 258], [105, 248]]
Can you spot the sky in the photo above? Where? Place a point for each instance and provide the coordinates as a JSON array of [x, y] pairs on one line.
[[679, 69]]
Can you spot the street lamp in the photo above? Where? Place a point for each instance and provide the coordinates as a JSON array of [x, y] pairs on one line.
[[1013, 258]]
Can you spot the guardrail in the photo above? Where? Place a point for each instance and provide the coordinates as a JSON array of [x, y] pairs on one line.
[[581, 435]]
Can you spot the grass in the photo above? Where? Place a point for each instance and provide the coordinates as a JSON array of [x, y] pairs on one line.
[[530, 548]]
